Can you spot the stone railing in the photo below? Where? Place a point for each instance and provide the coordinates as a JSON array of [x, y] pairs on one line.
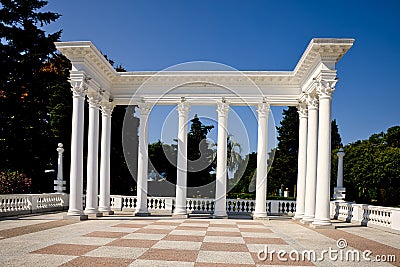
[[18, 204], [384, 218], [202, 205]]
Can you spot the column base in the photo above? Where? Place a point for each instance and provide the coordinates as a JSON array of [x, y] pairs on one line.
[[298, 217], [219, 216], [107, 212], [180, 216], [322, 226], [260, 216], [81, 217], [142, 214], [94, 215], [306, 221]]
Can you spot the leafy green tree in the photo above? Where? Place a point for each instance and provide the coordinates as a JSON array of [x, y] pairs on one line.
[[371, 169], [25, 91]]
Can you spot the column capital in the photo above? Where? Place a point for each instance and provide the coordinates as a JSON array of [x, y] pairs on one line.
[[312, 100], [222, 108], [263, 109], [183, 108], [94, 99], [144, 108], [79, 88], [302, 109], [325, 87], [107, 108]]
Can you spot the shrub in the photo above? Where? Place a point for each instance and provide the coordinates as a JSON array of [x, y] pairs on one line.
[[14, 182]]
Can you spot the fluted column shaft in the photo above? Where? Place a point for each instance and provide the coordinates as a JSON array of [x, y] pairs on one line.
[[182, 160], [221, 174], [322, 214], [262, 157], [302, 161], [141, 188], [93, 152], [312, 149], [76, 172], [104, 201]]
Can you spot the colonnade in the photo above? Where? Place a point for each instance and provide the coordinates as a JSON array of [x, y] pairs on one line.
[[314, 156]]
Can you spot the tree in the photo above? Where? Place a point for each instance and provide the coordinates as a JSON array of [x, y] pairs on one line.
[[200, 155], [371, 169], [25, 91], [284, 167]]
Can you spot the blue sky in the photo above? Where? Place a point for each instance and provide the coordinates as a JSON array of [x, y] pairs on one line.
[[253, 35]]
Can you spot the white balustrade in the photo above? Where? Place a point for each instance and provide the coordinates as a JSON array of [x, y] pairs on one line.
[[372, 216], [18, 204]]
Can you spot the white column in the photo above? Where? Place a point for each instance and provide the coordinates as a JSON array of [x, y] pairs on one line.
[[312, 146], [76, 174], [339, 190], [141, 208], [262, 157], [181, 178], [302, 161], [92, 157], [322, 215], [104, 197], [221, 175]]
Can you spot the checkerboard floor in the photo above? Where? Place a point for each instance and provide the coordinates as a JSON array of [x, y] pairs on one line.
[[159, 242]]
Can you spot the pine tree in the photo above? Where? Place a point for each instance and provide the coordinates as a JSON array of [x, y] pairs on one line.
[[25, 129]]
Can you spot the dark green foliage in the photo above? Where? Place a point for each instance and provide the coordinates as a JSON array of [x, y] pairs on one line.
[[372, 169], [284, 167], [28, 95], [200, 155]]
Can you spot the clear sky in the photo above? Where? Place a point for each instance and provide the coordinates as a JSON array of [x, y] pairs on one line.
[[253, 35]]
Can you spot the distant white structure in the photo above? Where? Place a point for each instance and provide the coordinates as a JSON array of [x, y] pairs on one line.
[[309, 87], [59, 184], [340, 191]]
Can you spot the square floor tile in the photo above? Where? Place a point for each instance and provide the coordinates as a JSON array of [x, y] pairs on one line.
[[264, 241], [224, 247], [170, 255], [180, 245], [191, 228], [145, 236], [184, 238], [136, 243], [66, 249], [188, 233], [225, 257], [129, 225], [256, 230], [223, 239], [117, 252], [160, 263], [222, 233], [223, 229], [153, 231], [97, 261], [106, 234]]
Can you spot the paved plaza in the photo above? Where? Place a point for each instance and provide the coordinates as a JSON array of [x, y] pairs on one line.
[[124, 240]]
